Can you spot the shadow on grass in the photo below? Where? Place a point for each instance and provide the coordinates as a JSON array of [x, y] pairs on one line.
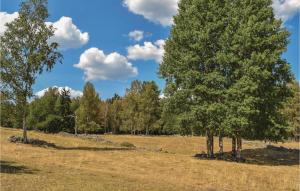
[[94, 148], [275, 156], [13, 168]]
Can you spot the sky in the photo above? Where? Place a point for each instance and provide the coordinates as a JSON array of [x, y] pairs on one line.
[[112, 42]]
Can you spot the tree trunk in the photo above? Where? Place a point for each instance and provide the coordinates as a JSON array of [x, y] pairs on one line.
[[75, 125], [239, 148], [221, 145], [209, 144], [25, 140], [233, 152]]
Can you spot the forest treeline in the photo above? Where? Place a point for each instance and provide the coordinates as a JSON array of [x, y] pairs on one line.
[[140, 111]]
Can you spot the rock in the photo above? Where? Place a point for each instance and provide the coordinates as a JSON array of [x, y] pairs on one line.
[[35, 142]]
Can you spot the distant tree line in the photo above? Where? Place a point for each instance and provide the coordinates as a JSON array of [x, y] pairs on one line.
[[140, 111]]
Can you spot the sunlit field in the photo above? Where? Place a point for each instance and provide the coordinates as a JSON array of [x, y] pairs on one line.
[[156, 163]]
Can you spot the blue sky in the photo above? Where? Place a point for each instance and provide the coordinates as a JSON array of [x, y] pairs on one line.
[[105, 26]]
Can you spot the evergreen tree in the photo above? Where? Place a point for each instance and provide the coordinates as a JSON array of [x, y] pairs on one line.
[[63, 109], [25, 52]]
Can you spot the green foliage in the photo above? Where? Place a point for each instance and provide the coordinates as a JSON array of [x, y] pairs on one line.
[[25, 52], [149, 106], [223, 69], [291, 110], [63, 109], [127, 144], [130, 114], [87, 115], [195, 79], [113, 114], [52, 124], [141, 108], [52, 112], [7, 111]]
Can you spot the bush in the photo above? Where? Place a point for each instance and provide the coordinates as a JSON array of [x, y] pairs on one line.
[[127, 144], [52, 124]]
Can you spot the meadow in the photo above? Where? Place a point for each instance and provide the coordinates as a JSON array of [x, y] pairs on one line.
[[156, 163]]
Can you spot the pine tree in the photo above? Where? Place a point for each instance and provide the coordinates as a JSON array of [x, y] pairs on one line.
[[63, 109]]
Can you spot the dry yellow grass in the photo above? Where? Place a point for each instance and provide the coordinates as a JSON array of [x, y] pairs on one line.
[[158, 163]]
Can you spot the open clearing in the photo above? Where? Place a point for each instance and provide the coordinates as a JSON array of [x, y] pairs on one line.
[[157, 163]]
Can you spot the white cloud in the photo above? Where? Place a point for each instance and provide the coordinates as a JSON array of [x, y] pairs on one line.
[[285, 9], [136, 35], [157, 11], [73, 93], [6, 18], [162, 11], [98, 66], [67, 35], [148, 51]]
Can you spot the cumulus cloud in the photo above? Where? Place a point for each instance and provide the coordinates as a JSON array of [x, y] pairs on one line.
[[67, 35], [136, 35], [157, 11], [162, 12], [6, 18], [73, 93], [285, 9], [98, 66], [66, 32], [148, 51]]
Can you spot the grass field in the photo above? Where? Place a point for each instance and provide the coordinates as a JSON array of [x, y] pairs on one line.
[[157, 163]]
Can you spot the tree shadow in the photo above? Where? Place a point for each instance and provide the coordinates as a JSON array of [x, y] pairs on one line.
[[13, 168], [272, 156], [94, 148]]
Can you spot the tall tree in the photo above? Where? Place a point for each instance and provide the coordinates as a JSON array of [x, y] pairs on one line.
[[25, 52], [195, 77], [130, 112], [63, 109], [252, 45], [87, 115], [149, 106], [224, 70], [115, 113]]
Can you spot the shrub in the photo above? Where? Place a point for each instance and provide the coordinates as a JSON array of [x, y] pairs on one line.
[[127, 144]]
